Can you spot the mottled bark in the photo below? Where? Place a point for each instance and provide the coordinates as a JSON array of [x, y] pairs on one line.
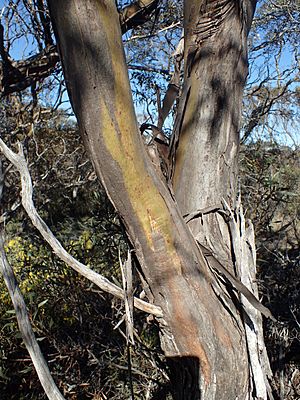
[[202, 333], [216, 63]]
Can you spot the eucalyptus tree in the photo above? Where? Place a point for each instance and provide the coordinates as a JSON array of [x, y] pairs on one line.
[[202, 328]]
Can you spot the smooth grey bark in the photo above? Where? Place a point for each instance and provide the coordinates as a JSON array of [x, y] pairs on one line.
[[206, 149], [216, 62]]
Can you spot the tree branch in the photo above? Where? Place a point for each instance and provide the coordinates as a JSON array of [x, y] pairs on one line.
[[263, 108], [18, 160], [136, 14], [19, 75]]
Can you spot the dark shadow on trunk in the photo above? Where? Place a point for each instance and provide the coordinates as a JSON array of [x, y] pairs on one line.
[[184, 377]]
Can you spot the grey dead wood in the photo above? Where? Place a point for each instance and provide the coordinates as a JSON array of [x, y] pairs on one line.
[[24, 324], [18, 160]]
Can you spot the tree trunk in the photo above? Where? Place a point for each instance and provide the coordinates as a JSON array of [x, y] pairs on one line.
[[207, 155], [201, 330]]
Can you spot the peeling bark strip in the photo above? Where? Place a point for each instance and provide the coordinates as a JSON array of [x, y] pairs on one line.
[[245, 260], [196, 326], [212, 15], [235, 282]]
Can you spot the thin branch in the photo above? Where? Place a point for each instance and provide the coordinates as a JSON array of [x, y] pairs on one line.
[[149, 69], [18, 160], [148, 36], [263, 109], [29, 339]]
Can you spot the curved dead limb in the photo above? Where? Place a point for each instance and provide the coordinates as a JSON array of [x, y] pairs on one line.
[[29, 339], [18, 160]]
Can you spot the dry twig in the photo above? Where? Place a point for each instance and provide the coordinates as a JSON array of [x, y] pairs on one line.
[[18, 160]]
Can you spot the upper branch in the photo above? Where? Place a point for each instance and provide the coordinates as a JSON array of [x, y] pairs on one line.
[[19, 75], [136, 14]]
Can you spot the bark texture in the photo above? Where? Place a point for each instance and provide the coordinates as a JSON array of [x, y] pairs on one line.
[[202, 331], [206, 134], [216, 67]]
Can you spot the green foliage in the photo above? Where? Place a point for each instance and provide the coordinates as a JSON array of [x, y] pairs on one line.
[[73, 322], [271, 183]]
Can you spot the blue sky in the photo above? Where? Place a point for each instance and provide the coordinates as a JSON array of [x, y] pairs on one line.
[[25, 47]]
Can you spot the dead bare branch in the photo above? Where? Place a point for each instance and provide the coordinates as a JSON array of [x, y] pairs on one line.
[[18, 160], [136, 13], [26, 330]]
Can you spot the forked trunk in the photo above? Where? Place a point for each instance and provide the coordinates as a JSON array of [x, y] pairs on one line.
[[201, 330]]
